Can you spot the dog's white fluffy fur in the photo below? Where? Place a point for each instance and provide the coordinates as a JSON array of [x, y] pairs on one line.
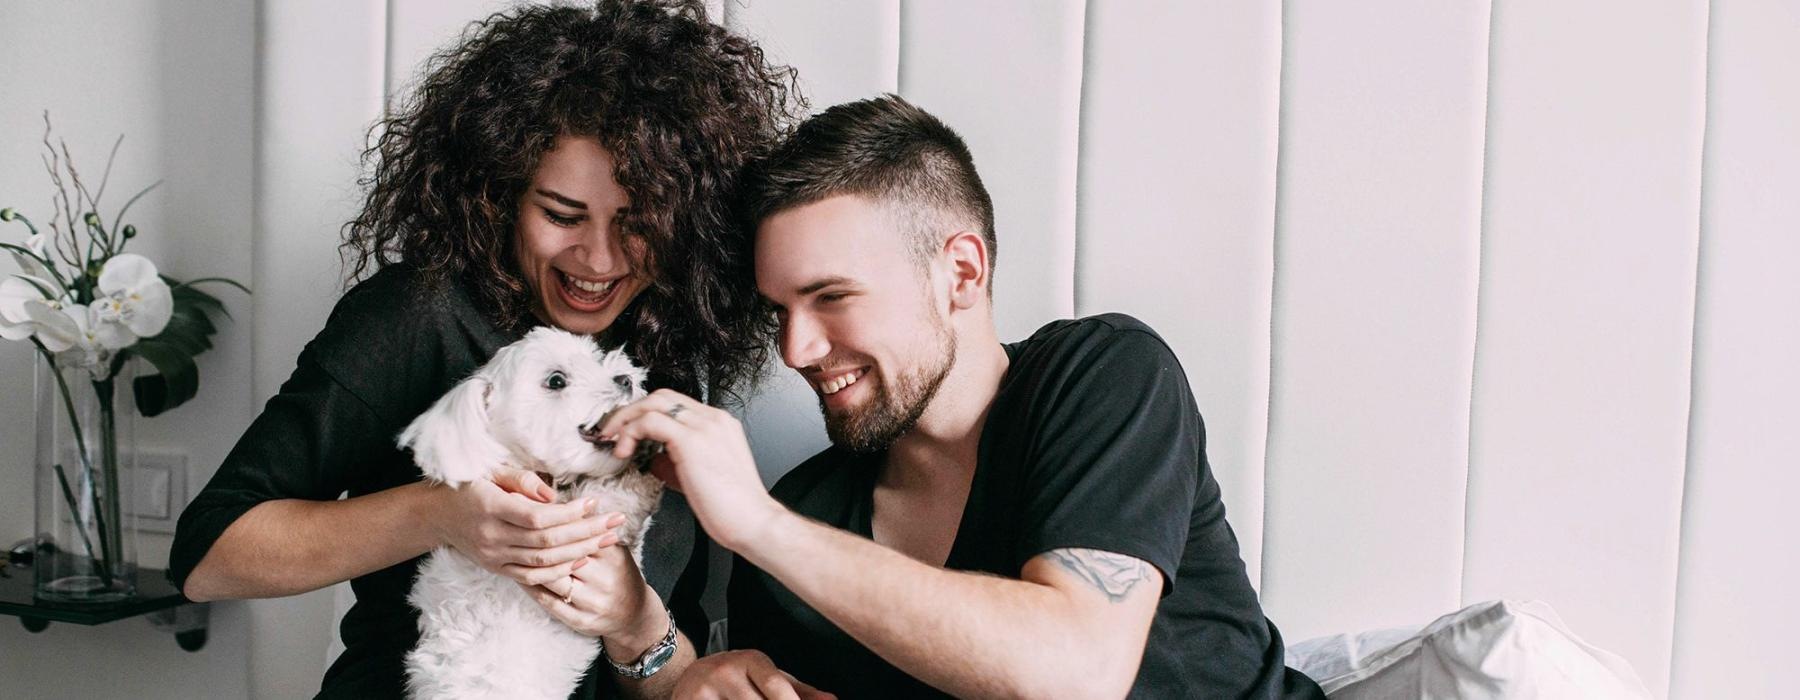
[[481, 635]]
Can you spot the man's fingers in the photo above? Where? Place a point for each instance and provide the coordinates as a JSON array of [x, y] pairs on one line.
[[659, 401], [773, 683], [645, 425], [648, 426], [807, 692], [623, 415]]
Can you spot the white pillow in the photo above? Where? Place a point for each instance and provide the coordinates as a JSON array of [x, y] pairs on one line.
[[1497, 649]]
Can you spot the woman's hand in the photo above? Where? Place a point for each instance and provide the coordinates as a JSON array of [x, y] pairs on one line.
[[510, 527], [607, 597], [740, 675]]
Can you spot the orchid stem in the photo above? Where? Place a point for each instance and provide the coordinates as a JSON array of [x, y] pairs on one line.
[[87, 463], [69, 495]]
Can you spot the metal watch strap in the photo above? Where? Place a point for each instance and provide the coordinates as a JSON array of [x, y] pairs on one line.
[[649, 662]]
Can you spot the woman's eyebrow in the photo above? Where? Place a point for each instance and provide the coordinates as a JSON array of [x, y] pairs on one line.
[[565, 201]]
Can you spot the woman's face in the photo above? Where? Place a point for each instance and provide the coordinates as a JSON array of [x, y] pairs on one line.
[[570, 248]]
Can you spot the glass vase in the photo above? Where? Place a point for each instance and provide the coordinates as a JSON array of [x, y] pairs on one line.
[[87, 540]]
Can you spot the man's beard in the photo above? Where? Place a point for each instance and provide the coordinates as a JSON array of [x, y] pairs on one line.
[[892, 411]]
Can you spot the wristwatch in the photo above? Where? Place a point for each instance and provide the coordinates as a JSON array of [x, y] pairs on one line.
[[649, 662]]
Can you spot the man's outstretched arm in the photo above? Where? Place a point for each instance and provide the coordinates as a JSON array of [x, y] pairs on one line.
[[1073, 625]]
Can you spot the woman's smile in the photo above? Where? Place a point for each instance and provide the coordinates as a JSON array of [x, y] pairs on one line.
[[582, 295]]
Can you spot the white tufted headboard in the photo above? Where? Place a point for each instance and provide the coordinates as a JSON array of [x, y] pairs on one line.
[[1478, 300]]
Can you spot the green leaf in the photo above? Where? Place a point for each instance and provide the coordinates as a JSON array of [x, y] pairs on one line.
[[177, 378], [22, 251], [189, 318], [189, 296], [48, 293], [184, 332]]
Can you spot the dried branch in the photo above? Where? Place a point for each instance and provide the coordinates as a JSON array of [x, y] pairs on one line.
[[75, 178], [61, 205], [65, 247]]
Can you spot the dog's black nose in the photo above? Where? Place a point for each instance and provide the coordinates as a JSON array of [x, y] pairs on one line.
[[623, 380]]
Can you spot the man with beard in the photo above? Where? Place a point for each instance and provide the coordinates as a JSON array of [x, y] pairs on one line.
[[1034, 519]]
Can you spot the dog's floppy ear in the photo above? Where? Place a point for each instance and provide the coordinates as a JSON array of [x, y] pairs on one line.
[[451, 441]]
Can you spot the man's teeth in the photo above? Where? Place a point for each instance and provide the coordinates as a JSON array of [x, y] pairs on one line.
[[832, 386]]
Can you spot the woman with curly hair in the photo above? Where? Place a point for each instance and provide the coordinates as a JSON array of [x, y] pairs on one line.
[[560, 166]]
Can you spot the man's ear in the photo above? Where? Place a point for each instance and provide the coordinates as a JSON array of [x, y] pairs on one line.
[[966, 253], [451, 441]]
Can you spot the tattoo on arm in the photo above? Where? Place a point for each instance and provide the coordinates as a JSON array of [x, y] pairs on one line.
[[1112, 574]]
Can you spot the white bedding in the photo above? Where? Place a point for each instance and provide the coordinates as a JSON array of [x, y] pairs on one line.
[[1497, 649]]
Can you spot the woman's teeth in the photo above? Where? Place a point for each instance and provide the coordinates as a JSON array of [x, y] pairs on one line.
[[593, 290], [832, 386]]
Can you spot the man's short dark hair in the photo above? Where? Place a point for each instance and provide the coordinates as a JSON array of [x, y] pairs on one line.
[[890, 151]]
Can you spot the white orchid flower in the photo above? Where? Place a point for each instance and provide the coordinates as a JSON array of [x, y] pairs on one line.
[[15, 323], [132, 303], [68, 329]]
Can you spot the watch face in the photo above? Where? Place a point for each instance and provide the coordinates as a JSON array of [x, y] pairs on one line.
[[657, 659]]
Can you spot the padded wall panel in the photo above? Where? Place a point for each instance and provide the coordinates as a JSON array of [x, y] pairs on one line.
[[319, 89], [843, 51], [1007, 76], [1587, 308], [1735, 607], [419, 28], [1175, 223], [1377, 232]]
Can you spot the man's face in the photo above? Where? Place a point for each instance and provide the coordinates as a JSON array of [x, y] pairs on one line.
[[859, 319]]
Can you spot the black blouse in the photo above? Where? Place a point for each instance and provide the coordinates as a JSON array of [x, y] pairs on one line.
[[391, 347]]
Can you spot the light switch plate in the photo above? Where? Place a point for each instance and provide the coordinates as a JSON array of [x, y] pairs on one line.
[[160, 485]]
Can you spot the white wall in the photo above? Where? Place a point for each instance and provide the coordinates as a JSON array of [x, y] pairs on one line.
[[1478, 299], [177, 80]]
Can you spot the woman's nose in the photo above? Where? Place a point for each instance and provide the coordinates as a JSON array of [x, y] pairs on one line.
[[599, 249]]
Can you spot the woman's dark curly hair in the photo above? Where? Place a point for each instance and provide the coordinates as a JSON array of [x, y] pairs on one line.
[[680, 103]]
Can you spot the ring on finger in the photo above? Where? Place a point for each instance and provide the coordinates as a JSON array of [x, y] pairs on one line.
[[569, 597], [675, 411]]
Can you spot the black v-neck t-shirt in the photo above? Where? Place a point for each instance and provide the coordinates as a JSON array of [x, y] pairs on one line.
[[391, 347], [1093, 441]]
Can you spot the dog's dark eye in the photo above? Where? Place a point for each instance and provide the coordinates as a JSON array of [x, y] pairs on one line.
[[556, 381], [623, 380]]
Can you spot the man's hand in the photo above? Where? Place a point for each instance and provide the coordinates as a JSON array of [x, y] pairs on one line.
[[706, 457], [510, 527], [742, 675]]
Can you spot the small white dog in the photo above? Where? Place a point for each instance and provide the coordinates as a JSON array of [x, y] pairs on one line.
[[536, 405]]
